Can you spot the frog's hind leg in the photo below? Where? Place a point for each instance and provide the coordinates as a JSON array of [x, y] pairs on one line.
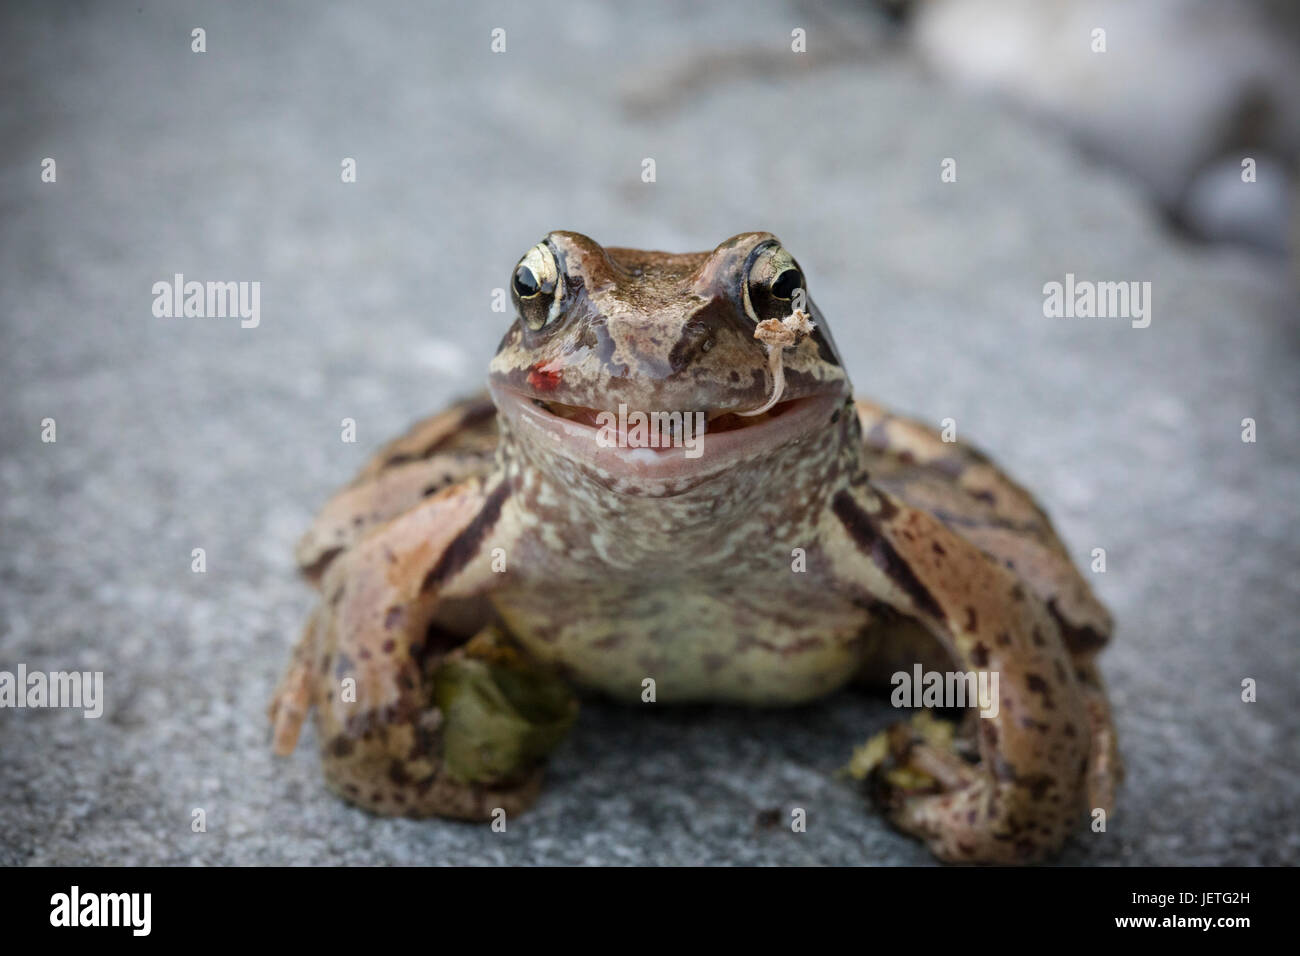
[[1022, 789], [897, 644], [435, 453], [408, 724], [924, 768], [981, 505]]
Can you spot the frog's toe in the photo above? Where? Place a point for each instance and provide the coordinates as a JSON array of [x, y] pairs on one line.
[[990, 821], [926, 777], [291, 702], [922, 757], [390, 783]]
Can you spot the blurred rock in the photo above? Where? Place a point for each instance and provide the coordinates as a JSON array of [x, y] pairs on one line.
[[1219, 204], [1182, 88]]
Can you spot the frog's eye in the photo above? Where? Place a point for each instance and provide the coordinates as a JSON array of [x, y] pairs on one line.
[[774, 284], [537, 286], [786, 283]]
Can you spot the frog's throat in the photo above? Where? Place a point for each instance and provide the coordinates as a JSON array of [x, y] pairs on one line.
[[547, 438]]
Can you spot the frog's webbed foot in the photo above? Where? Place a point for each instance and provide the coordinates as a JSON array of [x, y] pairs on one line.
[[927, 778], [1021, 785], [409, 722]]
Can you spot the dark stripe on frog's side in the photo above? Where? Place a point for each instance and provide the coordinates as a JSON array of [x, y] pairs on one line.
[[462, 465], [952, 465], [866, 534], [478, 411], [466, 544]]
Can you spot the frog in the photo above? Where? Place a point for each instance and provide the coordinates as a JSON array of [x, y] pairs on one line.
[[528, 547]]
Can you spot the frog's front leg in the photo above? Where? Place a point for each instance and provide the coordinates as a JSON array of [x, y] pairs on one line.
[[1028, 790], [406, 726]]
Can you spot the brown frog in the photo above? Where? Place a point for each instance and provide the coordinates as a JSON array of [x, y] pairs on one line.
[[672, 495]]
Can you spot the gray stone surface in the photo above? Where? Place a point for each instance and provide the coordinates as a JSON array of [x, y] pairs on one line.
[[182, 433]]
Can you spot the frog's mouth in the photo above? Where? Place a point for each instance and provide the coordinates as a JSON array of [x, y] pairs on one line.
[[675, 425], [680, 448]]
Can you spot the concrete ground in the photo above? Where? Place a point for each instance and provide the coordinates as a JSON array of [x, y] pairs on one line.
[[175, 433]]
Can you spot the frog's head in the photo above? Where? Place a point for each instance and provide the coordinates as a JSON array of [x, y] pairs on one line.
[[602, 334]]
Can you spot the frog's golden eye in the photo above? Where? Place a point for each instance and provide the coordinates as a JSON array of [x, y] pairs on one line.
[[773, 285], [538, 286]]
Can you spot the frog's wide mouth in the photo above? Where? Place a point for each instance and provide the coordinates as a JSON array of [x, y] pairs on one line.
[[679, 449]]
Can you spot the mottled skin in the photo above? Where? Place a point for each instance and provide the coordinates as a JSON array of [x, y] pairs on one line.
[[607, 566]]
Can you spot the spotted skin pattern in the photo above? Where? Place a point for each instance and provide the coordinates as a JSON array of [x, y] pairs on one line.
[[824, 540]]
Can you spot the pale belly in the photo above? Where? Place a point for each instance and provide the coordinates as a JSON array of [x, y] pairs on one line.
[[693, 645]]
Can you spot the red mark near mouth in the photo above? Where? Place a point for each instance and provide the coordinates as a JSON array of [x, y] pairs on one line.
[[543, 378]]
